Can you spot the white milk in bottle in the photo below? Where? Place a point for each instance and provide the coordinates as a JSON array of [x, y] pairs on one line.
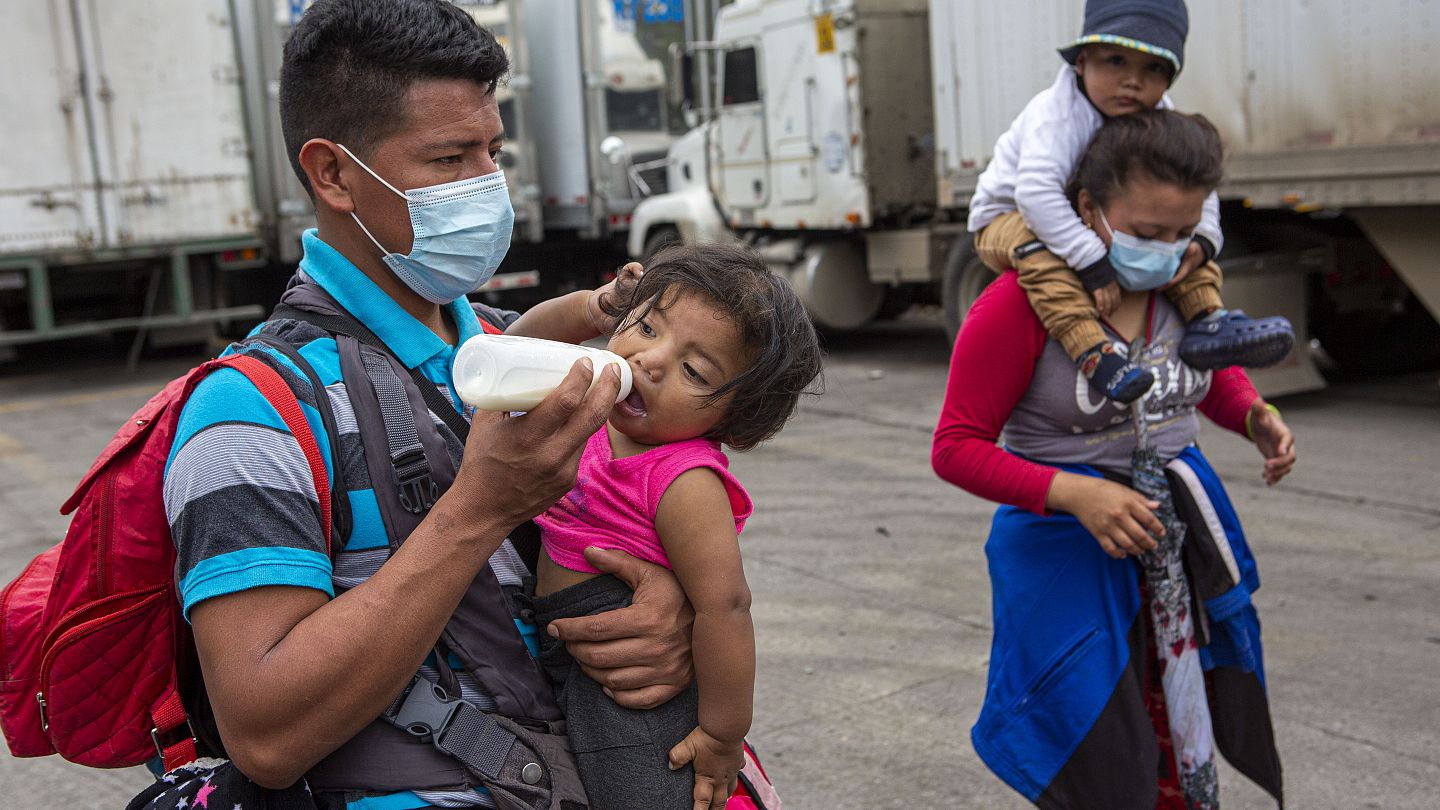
[[512, 373]]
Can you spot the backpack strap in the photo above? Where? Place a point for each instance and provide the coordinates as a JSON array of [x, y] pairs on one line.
[[169, 716], [277, 392], [340, 503], [347, 325], [526, 537]]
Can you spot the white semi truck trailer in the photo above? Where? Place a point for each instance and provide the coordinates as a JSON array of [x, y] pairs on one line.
[[144, 184], [843, 138], [128, 196]]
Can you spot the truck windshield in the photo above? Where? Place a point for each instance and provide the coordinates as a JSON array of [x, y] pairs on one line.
[[634, 110]]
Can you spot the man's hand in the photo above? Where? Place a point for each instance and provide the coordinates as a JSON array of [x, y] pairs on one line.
[[1274, 441], [640, 654], [1107, 298], [1193, 258], [514, 468], [607, 302]]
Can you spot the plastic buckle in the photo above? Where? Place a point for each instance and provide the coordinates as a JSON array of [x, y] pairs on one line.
[[418, 491], [426, 712]]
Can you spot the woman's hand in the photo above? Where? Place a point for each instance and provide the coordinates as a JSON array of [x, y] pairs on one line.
[[1274, 441], [1122, 520], [640, 654]]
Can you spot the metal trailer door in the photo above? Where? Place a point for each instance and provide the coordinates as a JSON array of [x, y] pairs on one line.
[[741, 151], [169, 120], [47, 199]]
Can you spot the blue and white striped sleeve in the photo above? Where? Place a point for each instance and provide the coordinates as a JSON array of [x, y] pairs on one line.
[[239, 496]]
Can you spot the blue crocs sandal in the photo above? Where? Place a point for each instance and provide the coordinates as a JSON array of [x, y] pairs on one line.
[[1230, 338], [1113, 376]]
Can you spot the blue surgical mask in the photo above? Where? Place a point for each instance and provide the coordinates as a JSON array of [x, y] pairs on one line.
[[461, 232], [1143, 264]]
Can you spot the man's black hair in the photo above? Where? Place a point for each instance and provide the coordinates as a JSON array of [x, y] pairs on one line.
[[785, 356], [350, 63]]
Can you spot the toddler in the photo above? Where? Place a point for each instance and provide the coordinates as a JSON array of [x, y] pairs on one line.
[[721, 349], [1129, 54]]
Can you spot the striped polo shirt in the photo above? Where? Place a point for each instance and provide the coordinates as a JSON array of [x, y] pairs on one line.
[[239, 496]]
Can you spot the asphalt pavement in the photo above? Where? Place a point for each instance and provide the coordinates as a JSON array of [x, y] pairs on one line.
[[871, 599]]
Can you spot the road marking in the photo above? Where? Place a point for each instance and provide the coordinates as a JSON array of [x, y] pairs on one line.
[[69, 400]]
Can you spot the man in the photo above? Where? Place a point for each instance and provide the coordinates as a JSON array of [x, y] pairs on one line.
[[301, 656]]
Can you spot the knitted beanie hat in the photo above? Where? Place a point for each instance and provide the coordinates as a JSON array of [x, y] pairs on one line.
[[1156, 27]]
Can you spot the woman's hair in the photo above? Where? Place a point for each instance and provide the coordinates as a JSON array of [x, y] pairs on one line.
[[775, 332], [1165, 145]]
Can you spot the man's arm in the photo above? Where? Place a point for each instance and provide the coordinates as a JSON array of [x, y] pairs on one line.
[[292, 674]]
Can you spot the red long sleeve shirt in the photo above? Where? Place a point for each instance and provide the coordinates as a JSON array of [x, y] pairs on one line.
[[990, 371]]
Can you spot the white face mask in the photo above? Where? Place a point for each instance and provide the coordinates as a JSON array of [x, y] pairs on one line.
[[1143, 264], [461, 233]]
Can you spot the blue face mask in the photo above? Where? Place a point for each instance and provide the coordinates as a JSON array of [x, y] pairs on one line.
[[1143, 264], [461, 232]]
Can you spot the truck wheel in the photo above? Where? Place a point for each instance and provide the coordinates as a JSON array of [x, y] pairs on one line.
[[965, 278], [659, 239]]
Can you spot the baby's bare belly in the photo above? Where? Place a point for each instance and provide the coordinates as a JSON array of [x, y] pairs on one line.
[[552, 577]]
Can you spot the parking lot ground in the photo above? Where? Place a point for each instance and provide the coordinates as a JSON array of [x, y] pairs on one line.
[[871, 599]]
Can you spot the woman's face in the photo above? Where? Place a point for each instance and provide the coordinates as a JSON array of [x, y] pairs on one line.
[[1146, 208]]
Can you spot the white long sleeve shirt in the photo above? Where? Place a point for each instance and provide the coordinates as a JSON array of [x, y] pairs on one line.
[[1033, 162]]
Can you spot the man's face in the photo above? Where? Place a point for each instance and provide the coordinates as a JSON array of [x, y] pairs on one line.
[[1122, 80], [452, 132]]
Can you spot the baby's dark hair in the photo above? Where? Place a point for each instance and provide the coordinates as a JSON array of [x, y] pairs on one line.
[[1165, 145], [773, 328]]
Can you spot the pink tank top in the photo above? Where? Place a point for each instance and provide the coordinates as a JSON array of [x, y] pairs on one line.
[[614, 501]]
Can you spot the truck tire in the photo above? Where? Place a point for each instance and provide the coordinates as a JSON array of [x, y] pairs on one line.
[[965, 278], [658, 239]]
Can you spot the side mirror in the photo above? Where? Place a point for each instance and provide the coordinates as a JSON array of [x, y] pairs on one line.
[[681, 76], [614, 150]]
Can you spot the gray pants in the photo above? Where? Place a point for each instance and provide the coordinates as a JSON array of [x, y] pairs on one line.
[[622, 753]]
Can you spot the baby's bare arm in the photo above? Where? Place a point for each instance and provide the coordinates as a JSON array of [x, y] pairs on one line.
[[579, 316], [697, 529]]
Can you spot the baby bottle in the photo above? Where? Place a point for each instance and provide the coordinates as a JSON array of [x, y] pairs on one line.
[[511, 373]]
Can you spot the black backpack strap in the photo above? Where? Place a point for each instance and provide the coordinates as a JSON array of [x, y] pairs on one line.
[[526, 537], [340, 517], [347, 325]]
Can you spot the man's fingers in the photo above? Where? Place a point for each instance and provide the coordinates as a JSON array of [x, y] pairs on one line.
[[607, 626], [555, 410], [627, 568], [647, 698], [622, 678], [703, 793]]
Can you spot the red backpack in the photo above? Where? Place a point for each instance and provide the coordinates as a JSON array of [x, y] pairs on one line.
[[91, 636]]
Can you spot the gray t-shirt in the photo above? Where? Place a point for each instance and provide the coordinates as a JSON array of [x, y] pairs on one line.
[[1060, 420]]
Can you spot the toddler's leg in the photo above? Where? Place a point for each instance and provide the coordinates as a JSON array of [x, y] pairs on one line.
[[1068, 312], [622, 754], [1219, 338]]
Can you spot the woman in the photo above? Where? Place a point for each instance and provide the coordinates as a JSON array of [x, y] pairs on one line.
[[1082, 707]]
